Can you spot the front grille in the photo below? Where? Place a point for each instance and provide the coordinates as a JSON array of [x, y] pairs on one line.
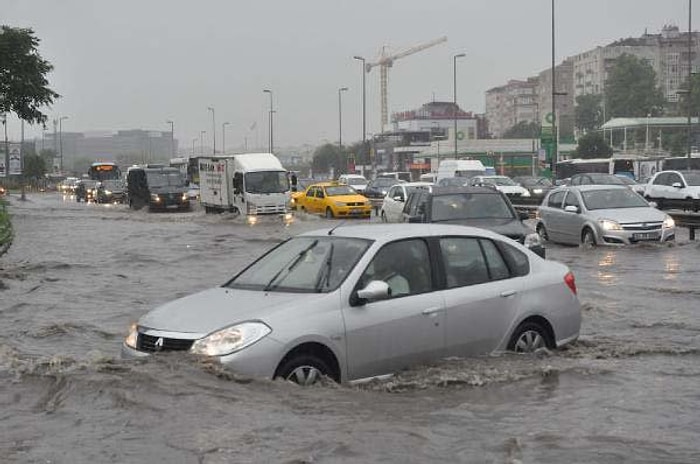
[[273, 209], [642, 226], [148, 343], [356, 204]]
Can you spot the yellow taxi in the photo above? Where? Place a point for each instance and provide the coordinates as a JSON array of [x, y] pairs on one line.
[[333, 200]]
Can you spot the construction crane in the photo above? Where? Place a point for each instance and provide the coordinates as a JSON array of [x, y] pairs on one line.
[[387, 61]]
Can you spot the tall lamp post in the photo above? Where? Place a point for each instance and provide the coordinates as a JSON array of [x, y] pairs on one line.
[[213, 127], [201, 142], [690, 79], [555, 144], [364, 99], [272, 145], [194, 140], [340, 116], [60, 140], [223, 137], [172, 137], [454, 95]]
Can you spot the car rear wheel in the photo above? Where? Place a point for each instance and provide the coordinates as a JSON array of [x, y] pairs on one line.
[[305, 369], [529, 337], [542, 232], [587, 238], [329, 213]]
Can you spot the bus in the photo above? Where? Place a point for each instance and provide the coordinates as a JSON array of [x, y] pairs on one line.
[[104, 170], [635, 167]]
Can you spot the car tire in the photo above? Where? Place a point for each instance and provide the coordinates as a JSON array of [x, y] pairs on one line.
[[304, 369], [542, 232], [588, 237], [529, 337], [329, 213]]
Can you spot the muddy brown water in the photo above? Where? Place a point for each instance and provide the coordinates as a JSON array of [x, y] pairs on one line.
[[77, 275]]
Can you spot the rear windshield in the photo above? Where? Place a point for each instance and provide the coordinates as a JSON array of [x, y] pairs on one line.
[[470, 206]]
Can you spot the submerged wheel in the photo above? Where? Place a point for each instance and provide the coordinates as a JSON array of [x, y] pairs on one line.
[[542, 232], [587, 237], [329, 213], [529, 337], [305, 369]]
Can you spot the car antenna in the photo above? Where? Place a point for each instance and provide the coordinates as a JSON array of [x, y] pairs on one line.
[[330, 232]]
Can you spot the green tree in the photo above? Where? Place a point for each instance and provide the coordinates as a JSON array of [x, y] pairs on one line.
[[593, 145], [329, 156], [589, 112], [631, 89], [34, 166], [23, 84], [692, 99], [523, 130]]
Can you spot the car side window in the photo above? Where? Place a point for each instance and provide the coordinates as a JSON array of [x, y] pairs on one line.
[[498, 269], [517, 260], [571, 200], [464, 262], [404, 265], [661, 179], [555, 199], [673, 178], [393, 192], [410, 201], [319, 192]]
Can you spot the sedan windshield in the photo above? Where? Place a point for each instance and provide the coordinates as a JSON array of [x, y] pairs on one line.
[[470, 206], [266, 182], [303, 264], [383, 182], [499, 181], [165, 179], [617, 198], [357, 181], [340, 190]]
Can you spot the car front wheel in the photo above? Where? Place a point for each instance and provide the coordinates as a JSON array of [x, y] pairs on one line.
[[542, 232], [587, 238], [305, 369], [529, 337], [329, 213]]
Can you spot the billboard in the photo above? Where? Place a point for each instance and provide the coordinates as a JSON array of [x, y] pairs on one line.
[[15, 159]]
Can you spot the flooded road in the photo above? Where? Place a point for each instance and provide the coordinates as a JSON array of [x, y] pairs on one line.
[[77, 275]]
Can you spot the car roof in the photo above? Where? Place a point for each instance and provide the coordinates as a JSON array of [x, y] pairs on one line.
[[415, 184], [455, 189], [590, 187], [383, 233]]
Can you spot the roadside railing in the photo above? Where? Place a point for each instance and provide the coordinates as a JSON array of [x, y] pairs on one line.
[[5, 229]]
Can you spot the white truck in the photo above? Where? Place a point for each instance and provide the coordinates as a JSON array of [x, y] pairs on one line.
[[459, 168], [250, 184]]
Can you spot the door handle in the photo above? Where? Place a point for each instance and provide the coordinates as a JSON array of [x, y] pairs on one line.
[[431, 311], [508, 293]]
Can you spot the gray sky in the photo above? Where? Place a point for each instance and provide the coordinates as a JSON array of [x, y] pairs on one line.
[[134, 64]]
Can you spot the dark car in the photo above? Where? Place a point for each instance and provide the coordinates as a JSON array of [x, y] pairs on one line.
[[595, 178], [377, 189], [110, 191], [85, 190], [471, 206], [159, 187], [537, 186]]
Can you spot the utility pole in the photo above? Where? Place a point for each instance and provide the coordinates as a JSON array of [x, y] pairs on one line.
[[213, 126], [172, 137], [690, 81], [340, 116], [454, 97], [272, 145], [364, 110]]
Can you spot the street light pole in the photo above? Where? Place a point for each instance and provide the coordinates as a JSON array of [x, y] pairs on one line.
[[555, 148], [223, 137], [268, 91], [201, 142], [340, 116], [364, 98], [213, 126], [690, 79], [172, 137], [60, 138], [194, 140], [454, 96]]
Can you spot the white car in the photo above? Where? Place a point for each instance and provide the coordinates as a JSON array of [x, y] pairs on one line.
[[395, 199], [673, 185], [356, 181], [502, 183]]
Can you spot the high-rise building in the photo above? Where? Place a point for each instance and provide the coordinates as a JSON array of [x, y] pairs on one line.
[[509, 104]]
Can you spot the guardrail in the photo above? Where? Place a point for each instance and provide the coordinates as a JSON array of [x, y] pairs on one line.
[[684, 219]]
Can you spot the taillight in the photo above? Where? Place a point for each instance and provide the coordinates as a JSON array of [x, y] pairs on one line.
[[570, 281]]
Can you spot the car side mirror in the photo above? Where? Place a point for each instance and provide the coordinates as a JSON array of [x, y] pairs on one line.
[[571, 209], [398, 198], [653, 204], [374, 291], [677, 185]]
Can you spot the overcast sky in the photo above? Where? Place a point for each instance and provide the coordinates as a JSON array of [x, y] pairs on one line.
[[123, 64]]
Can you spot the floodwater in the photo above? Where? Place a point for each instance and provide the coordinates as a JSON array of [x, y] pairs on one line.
[[77, 275]]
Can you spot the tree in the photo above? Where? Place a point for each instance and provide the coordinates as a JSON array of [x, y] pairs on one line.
[[23, 84], [593, 145], [589, 112], [523, 130], [631, 89], [330, 156], [34, 166], [693, 99]]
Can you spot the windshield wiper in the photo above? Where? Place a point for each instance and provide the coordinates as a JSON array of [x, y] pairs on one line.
[[272, 283], [329, 266]]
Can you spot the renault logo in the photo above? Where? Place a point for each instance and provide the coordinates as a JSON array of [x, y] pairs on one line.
[[158, 344]]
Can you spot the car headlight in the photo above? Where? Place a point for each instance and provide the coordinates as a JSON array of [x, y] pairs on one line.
[[155, 197], [669, 223], [532, 240], [185, 197], [525, 193], [230, 339], [108, 192], [133, 336], [339, 203], [607, 224], [537, 191]]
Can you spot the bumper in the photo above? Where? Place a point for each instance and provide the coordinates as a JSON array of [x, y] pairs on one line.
[[258, 360], [628, 237], [353, 211]]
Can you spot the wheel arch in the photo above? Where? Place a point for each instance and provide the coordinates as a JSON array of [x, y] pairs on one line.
[[318, 349], [540, 320]]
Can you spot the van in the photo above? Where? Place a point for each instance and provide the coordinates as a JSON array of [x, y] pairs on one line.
[[460, 168], [156, 186], [401, 175]]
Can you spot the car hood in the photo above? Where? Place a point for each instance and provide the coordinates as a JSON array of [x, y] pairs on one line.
[[509, 227], [217, 308], [512, 189], [167, 189], [348, 198], [627, 215]]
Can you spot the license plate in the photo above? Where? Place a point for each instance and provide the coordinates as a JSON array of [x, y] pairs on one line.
[[355, 211], [172, 206], [646, 236]]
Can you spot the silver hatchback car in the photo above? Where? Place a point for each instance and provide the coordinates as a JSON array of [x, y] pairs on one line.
[[601, 214], [362, 301]]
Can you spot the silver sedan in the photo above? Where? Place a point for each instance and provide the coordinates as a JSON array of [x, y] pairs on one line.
[[357, 302], [601, 214]]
